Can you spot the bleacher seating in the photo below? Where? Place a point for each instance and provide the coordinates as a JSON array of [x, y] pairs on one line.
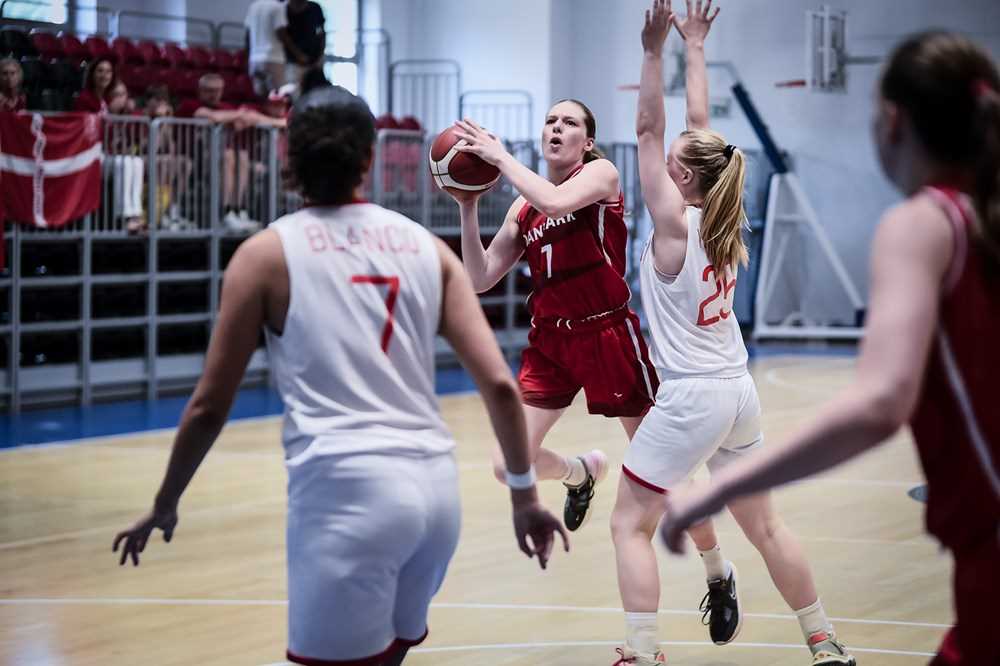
[[126, 51], [54, 63], [16, 44], [75, 51]]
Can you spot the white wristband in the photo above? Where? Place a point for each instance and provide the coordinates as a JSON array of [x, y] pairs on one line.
[[521, 481]]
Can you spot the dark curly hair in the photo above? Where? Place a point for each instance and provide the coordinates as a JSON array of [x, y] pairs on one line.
[[330, 141]]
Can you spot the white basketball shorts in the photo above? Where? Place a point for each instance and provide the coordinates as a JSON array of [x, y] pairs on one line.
[[695, 420], [369, 541]]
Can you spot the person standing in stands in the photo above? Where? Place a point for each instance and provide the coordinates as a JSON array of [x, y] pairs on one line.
[[265, 24], [304, 38], [11, 96]]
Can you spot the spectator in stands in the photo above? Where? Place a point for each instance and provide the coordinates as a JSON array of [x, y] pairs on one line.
[[304, 38], [123, 158], [98, 81], [266, 23], [11, 76], [236, 156], [173, 170], [119, 102]]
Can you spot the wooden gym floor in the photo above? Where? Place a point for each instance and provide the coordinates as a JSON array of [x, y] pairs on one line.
[[215, 595]]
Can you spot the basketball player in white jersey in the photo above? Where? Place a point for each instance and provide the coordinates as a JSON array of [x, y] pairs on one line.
[[706, 408], [351, 296]]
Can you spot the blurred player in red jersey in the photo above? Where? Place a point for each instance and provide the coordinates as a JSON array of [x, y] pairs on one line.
[[930, 356]]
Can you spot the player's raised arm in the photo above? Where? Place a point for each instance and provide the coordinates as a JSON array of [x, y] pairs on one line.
[[694, 29], [662, 198]]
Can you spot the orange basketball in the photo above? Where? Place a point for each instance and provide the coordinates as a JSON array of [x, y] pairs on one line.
[[455, 169]]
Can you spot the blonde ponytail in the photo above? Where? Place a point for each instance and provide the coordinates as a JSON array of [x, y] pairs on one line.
[[721, 171]]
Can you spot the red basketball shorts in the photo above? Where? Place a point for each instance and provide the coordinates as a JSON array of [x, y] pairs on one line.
[[972, 641], [608, 359]]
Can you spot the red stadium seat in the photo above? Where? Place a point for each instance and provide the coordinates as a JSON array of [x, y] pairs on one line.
[[175, 55], [127, 51], [76, 52], [151, 53], [97, 47], [187, 82], [200, 58], [224, 61], [137, 78], [243, 89], [49, 46], [241, 60]]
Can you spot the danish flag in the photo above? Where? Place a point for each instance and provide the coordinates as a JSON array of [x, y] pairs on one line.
[[50, 167]]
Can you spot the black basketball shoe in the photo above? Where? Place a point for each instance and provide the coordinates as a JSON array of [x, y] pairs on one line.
[[721, 609]]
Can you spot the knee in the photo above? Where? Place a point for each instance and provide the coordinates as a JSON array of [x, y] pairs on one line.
[[624, 525], [762, 531]]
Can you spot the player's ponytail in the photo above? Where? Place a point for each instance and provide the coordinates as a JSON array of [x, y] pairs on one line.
[[590, 122], [721, 170], [950, 89]]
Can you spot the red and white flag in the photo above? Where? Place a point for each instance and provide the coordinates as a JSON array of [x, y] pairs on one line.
[[50, 167]]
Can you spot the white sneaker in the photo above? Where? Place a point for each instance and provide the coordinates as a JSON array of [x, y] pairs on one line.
[[249, 223], [233, 222]]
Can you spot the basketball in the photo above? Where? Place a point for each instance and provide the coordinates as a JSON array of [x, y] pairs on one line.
[[461, 171]]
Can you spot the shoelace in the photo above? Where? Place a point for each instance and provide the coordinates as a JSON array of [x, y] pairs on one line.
[[714, 597]]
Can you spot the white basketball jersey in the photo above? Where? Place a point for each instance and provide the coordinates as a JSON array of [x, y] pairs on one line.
[[694, 331], [355, 363]]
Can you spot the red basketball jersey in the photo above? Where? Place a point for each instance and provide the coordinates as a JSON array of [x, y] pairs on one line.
[[578, 261], [957, 421]]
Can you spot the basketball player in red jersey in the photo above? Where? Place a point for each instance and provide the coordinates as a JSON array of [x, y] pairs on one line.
[[930, 355], [571, 229]]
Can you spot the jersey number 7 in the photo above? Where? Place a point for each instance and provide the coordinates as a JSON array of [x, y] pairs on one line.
[[390, 300]]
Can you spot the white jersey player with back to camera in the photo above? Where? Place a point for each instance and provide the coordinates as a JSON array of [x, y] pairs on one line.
[[706, 409], [351, 297]]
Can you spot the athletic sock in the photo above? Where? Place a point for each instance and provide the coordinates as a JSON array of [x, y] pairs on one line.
[[716, 568], [640, 632], [576, 473], [813, 620]]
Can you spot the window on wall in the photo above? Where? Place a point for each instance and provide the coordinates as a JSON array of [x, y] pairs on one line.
[[343, 20], [50, 12]]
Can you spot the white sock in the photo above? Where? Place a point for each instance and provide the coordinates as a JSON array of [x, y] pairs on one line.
[[715, 567], [576, 473], [640, 632], [813, 620]]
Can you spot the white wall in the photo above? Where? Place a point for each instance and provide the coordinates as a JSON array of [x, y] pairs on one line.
[[828, 135], [500, 45]]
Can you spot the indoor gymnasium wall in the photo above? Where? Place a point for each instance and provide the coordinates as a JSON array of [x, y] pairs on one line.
[[828, 135]]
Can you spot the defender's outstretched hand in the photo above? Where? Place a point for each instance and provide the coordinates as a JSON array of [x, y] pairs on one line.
[[657, 26], [698, 22], [687, 506]]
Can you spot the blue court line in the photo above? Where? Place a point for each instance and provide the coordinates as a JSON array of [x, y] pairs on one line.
[[117, 418]]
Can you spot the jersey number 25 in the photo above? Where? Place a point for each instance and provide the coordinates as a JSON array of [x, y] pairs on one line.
[[720, 304]]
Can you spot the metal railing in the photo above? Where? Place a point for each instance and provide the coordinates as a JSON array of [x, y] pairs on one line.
[[121, 303]]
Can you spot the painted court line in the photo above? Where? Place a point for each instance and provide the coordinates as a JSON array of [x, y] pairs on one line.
[[150, 601], [111, 530], [565, 644]]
